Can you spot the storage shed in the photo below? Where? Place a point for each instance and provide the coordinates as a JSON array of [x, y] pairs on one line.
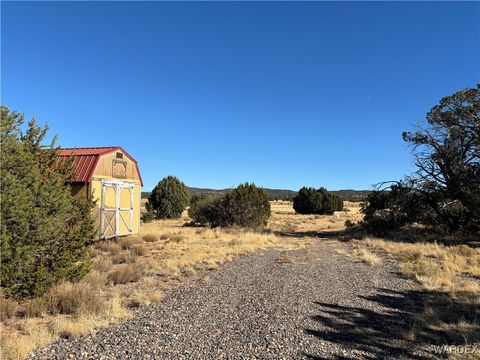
[[109, 176]]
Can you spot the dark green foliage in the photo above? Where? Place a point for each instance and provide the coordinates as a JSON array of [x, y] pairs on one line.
[[316, 201], [445, 191], [246, 206], [147, 216], [197, 198], [199, 210], [210, 210], [447, 156], [390, 209], [45, 231], [278, 194], [169, 198]]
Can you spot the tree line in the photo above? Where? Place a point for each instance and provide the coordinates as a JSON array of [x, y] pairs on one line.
[[247, 205]]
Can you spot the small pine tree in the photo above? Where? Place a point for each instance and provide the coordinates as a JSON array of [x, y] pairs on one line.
[[45, 230], [247, 205], [169, 198]]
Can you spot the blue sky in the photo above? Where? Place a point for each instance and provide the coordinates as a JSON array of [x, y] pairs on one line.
[[217, 93]]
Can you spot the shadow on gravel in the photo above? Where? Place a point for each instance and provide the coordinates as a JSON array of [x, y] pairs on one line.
[[314, 234], [400, 327]]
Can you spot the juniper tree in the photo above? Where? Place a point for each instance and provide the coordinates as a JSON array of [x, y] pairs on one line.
[[169, 198], [45, 230]]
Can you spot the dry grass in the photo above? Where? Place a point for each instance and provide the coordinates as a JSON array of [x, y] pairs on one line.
[[8, 308], [102, 264], [150, 238], [125, 273], [69, 298], [453, 269], [19, 341], [122, 258], [283, 259], [128, 242], [27, 334], [138, 250], [284, 218], [108, 246], [450, 276], [368, 257], [135, 271], [142, 298]]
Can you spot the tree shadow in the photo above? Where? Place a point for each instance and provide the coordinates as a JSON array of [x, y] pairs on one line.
[[332, 234], [400, 327]]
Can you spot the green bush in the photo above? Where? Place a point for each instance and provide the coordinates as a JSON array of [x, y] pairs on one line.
[[197, 198], [197, 202], [336, 202], [45, 231], [168, 199], [388, 210], [316, 201], [246, 206], [210, 210], [147, 216]]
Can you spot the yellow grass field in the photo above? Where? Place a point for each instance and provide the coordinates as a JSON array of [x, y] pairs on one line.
[[284, 219]]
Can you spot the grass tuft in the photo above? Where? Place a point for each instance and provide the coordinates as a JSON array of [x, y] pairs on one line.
[[125, 273], [368, 257], [73, 298], [150, 238], [8, 308]]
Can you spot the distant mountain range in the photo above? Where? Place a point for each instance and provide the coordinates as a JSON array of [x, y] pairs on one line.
[[281, 194]]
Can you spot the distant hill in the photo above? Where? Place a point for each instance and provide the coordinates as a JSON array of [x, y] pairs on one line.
[[281, 194], [352, 195]]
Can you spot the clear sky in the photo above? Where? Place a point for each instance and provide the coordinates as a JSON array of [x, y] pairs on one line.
[[217, 93]]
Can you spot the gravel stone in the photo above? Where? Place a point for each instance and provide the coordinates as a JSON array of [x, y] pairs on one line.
[[321, 305]]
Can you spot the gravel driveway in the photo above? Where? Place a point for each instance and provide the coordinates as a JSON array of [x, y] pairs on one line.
[[272, 304]]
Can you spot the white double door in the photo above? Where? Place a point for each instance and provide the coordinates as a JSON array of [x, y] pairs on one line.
[[116, 211]]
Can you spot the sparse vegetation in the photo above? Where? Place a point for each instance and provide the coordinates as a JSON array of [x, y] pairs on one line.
[[8, 308], [109, 246], [368, 257], [125, 273], [72, 298], [150, 238], [284, 219], [166, 254], [450, 275]]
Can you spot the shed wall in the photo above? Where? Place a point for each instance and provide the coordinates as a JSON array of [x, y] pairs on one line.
[[118, 168]]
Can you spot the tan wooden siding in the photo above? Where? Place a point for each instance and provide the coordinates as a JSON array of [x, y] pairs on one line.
[[108, 163]]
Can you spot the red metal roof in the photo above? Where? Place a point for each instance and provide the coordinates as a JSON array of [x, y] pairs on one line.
[[86, 160]]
